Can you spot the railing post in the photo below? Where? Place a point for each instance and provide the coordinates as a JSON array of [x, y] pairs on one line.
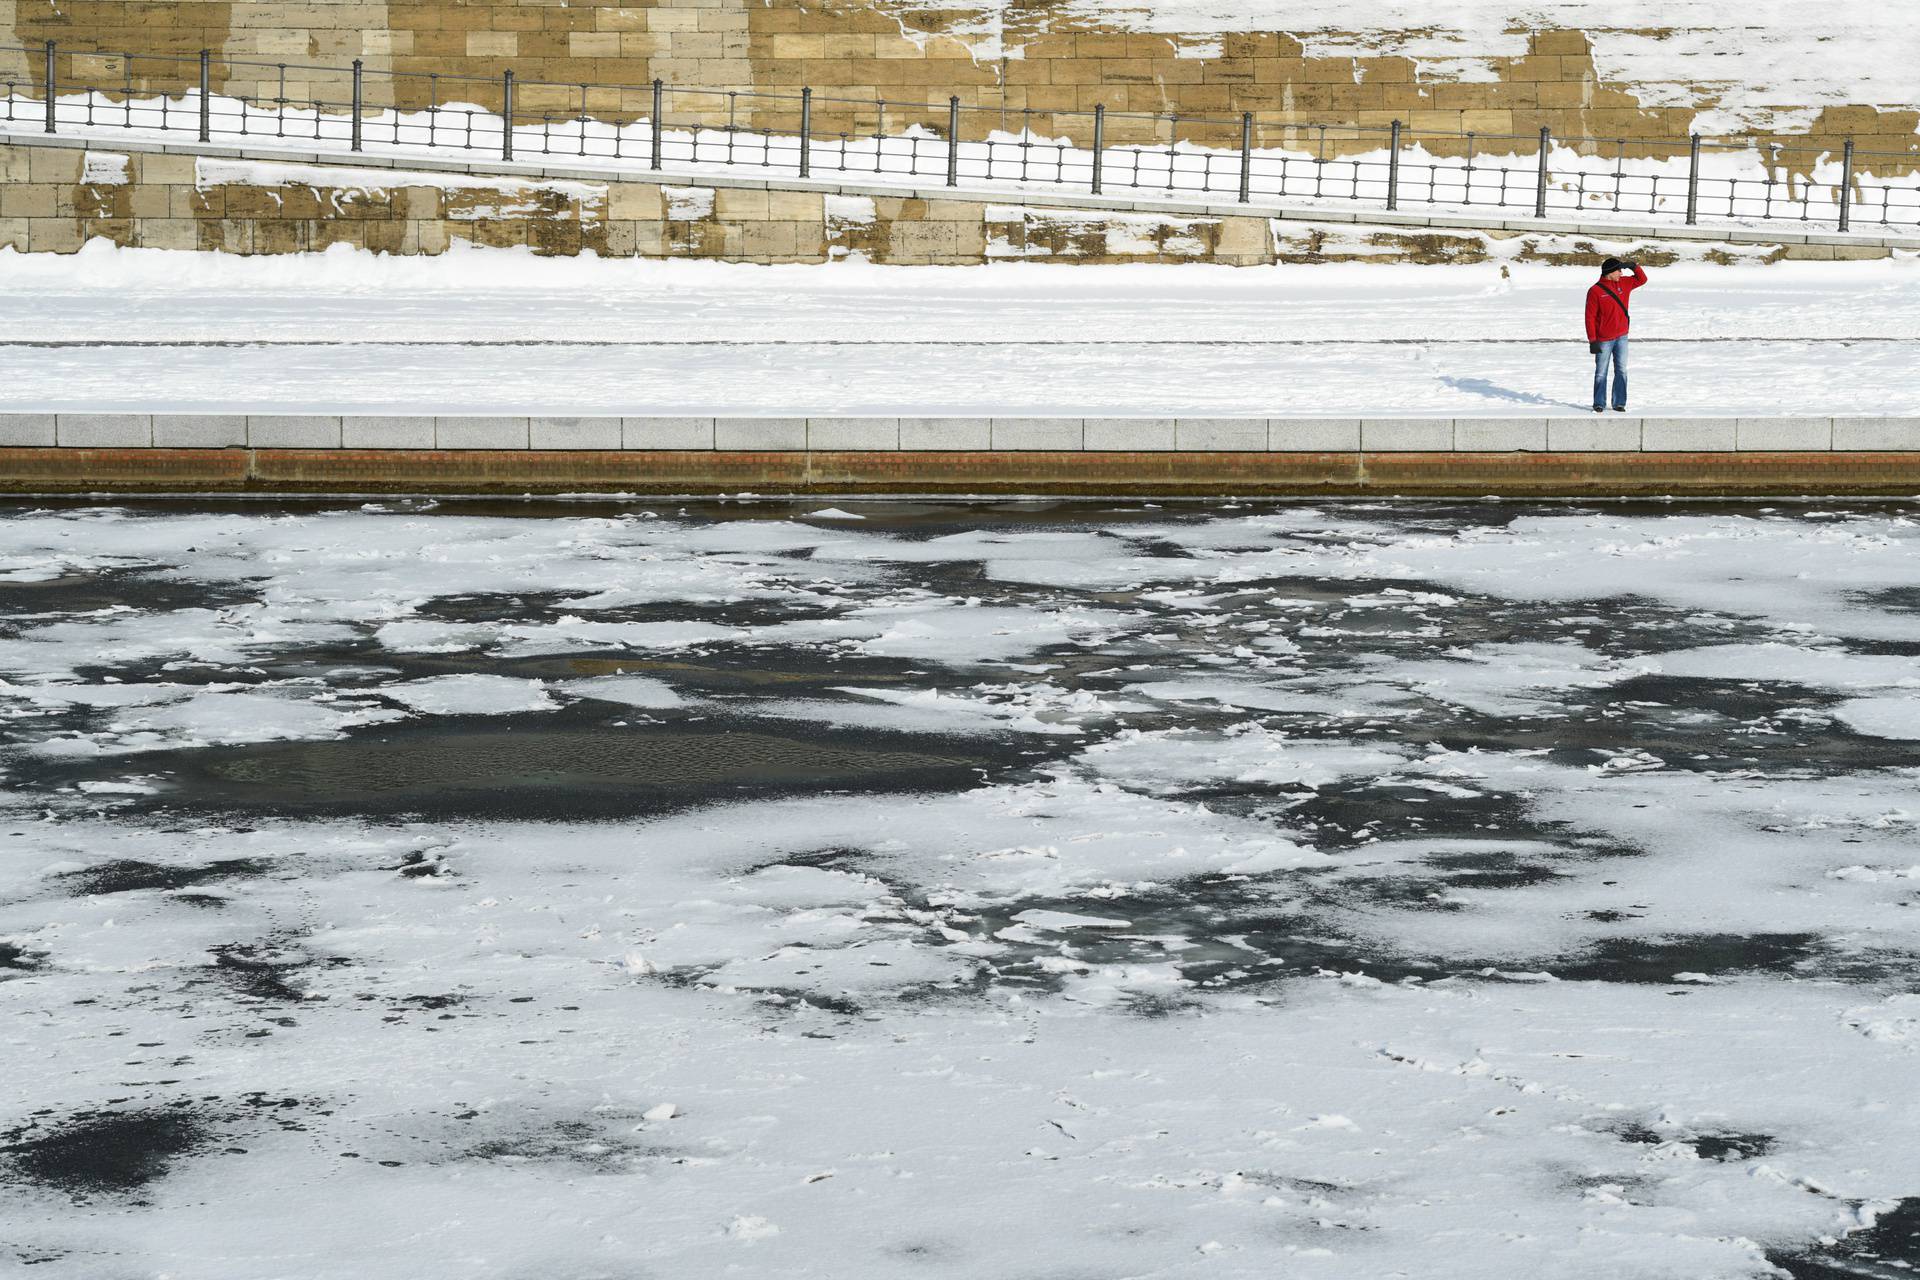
[[1540, 189], [356, 104], [506, 116], [1246, 156], [658, 94], [806, 132], [1846, 187], [1099, 141], [52, 90], [1393, 168], [206, 99], [1693, 182], [953, 140]]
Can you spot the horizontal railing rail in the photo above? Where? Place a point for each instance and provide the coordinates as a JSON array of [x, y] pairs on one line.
[[1240, 158]]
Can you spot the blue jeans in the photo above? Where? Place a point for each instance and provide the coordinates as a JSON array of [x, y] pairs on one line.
[[1616, 351]]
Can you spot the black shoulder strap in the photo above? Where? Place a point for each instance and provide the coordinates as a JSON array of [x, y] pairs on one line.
[[1617, 300]]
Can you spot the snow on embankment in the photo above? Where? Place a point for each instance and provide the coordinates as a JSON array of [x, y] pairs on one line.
[[1759, 65]]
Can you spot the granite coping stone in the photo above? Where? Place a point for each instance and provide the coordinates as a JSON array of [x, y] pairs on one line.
[[946, 433], [1783, 434], [761, 434], [1128, 435], [476, 432], [1688, 435], [853, 433], [1313, 435], [573, 433], [1576, 434], [103, 430], [27, 431], [1030, 434], [666, 433], [382, 431], [1500, 435], [1223, 435], [199, 430], [292, 431], [1406, 435], [1889, 434], [1601, 433]]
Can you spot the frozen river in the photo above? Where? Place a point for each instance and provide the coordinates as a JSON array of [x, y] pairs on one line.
[[1029, 890]]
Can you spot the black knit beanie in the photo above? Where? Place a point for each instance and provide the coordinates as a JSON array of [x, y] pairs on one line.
[[1610, 266]]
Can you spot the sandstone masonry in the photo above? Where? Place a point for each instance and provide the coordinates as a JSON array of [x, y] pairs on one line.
[[58, 193], [881, 66]]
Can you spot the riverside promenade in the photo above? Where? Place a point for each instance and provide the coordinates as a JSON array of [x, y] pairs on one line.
[[492, 372]]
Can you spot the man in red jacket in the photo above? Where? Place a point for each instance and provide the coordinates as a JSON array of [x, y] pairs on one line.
[[1607, 329]]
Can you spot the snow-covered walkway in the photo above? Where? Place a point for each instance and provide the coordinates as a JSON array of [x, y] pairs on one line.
[[488, 331]]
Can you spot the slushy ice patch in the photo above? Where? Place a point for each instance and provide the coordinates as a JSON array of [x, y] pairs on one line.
[[529, 769], [130, 875], [102, 1153], [15, 958], [1887, 1248]]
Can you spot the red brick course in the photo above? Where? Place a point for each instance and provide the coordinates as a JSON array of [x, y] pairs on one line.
[[1173, 474]]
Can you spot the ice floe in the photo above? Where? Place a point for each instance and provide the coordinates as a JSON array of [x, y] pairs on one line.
[[1483, 890]]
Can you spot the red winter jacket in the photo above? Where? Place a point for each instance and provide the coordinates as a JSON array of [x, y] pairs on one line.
[[1607, 319]]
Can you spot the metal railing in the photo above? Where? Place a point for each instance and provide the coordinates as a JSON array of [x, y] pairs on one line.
[[1171, 157]]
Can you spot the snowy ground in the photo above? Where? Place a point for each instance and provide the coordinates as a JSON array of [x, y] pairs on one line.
[[479, 332], [1035, 890]]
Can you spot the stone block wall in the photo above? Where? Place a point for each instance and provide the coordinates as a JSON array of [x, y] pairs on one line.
[[886, 64], [56, 197]]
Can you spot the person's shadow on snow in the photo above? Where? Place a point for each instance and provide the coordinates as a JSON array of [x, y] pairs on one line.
[[1482, 387]]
